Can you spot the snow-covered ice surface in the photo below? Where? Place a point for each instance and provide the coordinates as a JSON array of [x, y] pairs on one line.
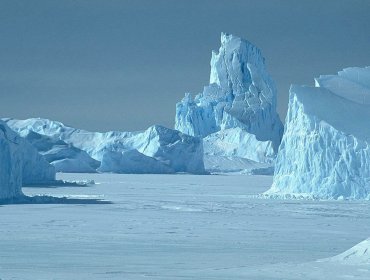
[[360, 253], [179, 227]]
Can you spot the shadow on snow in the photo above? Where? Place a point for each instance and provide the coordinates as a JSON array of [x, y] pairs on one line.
[[46, 199]]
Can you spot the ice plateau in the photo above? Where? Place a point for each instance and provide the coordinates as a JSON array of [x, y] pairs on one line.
[[325, 149], [155, 150], [238, 107], [20, 164]]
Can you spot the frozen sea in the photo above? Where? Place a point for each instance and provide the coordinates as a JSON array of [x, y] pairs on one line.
[[178, 227]]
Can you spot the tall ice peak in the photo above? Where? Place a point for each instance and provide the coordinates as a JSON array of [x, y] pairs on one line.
[[240, 94]]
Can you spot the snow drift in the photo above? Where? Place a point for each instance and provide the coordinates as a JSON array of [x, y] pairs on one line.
[[155, 150], [358, 254], [325, 148], [20, 163], [241, 99]]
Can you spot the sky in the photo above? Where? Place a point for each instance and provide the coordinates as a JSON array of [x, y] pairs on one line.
[[122, 65]]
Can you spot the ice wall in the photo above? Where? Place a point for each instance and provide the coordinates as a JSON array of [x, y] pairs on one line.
[[10, 164], [325, 149], [20, 164]]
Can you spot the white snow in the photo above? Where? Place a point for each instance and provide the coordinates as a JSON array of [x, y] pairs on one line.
[[179, 226], [325, 148], [155, 150], [358, 254], [241, 96]]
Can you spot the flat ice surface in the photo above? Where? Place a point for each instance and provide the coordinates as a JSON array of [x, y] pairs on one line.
[[179, 227]]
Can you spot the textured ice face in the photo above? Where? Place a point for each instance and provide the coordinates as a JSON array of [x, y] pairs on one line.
[[155, 150], [20, 164], [325, 148], [241, 94], [10, 164]]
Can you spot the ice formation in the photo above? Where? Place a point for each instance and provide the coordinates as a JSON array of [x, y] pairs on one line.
[[155, 150], [241, 98], [325, 149], [20, 163], [65, 157], [358, 254], [236, 142], [10, 164], [35, 169]]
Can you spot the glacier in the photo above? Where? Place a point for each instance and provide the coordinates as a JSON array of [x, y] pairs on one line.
[[155, 150], [325, 149], [20, 164], [238, 107]]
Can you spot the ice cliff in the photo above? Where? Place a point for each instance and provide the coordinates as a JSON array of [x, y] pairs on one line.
[[10, 164], [240, 99], [20, 164], [155, 150], [325, 149]]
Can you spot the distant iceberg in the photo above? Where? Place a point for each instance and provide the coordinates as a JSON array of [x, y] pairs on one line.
[[325, 150], [155, 150], [238, 107]]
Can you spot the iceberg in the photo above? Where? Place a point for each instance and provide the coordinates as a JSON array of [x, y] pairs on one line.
[[325, 149], [132, 161], [227, 143], [10, 164], [64, 157], [240, 99], [35, 168], [20, 164], [155, 150]]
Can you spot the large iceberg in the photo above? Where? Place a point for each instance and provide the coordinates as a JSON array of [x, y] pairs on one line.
[[155, 150], [20, 164], [10, 164], [325, 149], [237, 107]]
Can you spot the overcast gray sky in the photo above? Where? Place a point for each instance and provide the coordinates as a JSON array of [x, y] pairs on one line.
[[122, 65]]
